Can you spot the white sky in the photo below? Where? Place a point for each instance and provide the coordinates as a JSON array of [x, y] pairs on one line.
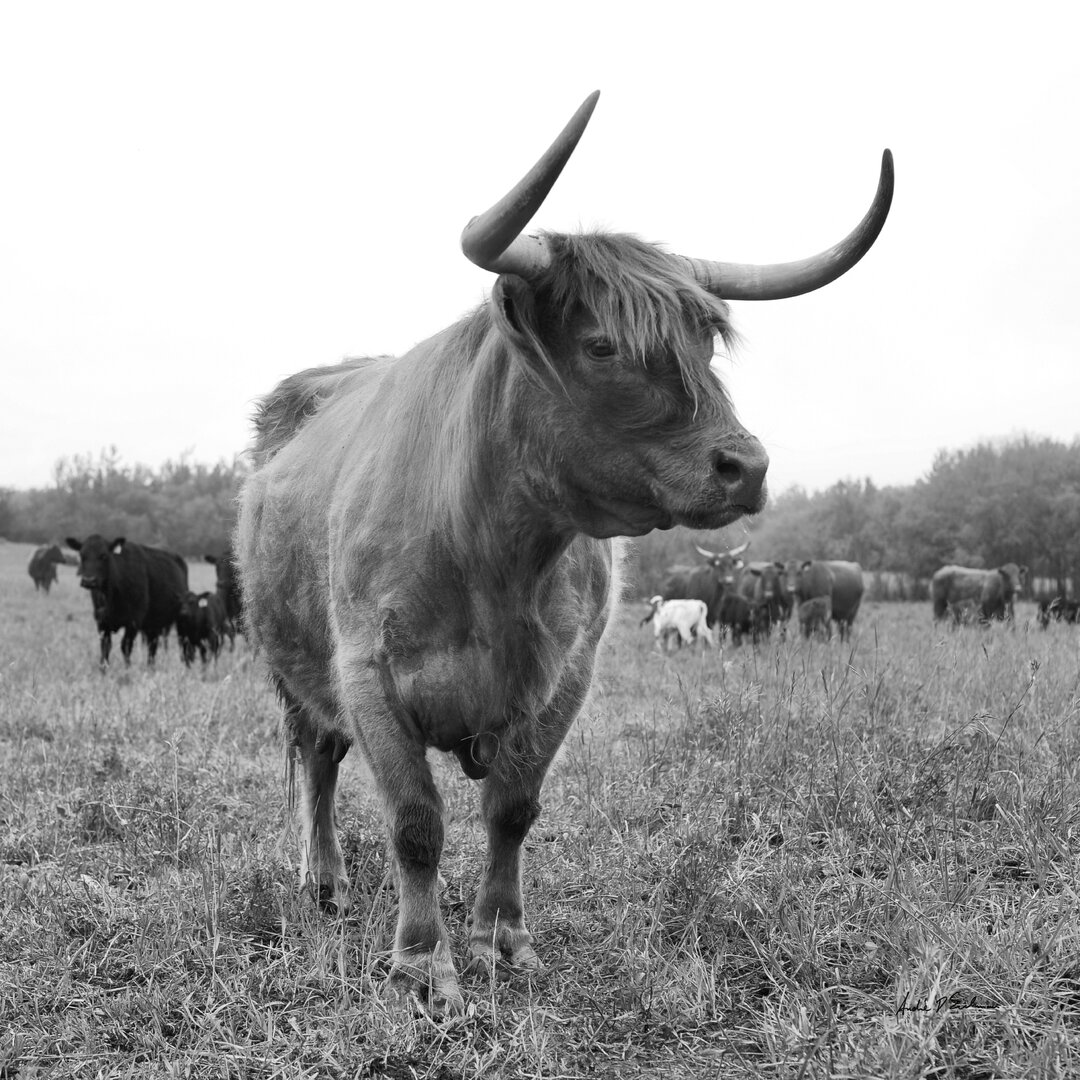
[[199, 199]]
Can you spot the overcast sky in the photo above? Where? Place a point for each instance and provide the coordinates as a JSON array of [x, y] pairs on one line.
[[199, 199]]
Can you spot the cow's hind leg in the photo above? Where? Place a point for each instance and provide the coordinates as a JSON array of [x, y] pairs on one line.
[[313, 771]]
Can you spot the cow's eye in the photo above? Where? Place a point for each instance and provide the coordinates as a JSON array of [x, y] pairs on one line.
[[600, 348]]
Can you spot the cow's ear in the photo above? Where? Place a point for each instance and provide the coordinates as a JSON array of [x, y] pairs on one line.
[[117, 545], [779, 565], [513, 308], [75, 545], [806, 564], [210, 558], [755, 570]]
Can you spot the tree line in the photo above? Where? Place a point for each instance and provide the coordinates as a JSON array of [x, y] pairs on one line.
[[1004, 501], [182, 505]]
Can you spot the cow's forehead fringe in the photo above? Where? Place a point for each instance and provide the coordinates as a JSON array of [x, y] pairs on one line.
[[637, 293]]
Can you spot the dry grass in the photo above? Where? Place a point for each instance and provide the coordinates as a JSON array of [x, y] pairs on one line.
[[811, 860]]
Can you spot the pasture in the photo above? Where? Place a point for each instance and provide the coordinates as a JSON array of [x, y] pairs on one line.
[[808, 859]]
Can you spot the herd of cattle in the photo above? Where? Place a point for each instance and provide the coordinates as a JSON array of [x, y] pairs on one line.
[[137, 589], [725, 595], [749, 599], [142, 590]]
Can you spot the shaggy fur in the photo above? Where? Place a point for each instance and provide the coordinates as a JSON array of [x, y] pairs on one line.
[[428, 558]]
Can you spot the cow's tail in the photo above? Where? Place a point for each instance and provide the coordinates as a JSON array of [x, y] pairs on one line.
[[289, 741]]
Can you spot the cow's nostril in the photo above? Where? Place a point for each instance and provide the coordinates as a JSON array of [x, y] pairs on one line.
[[728, 469]]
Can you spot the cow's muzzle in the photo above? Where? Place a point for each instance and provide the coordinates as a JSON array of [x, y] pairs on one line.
[[740, 472]]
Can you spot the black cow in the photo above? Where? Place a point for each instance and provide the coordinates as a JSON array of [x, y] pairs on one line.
[[841, 581], [762, 585], [1060, 609], [134, 587], [228, 587], [202, 625], [814, 616], [43, 564], [737, 615]]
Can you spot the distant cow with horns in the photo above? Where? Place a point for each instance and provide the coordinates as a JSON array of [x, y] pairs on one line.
[[707, 582], [426, 543]]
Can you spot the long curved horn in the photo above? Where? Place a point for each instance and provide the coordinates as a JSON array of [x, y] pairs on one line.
[[776, 281], [492, 239]]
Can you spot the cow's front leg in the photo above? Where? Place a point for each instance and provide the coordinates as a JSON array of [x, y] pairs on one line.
[[509, 805], [498, 933], [422, 967], [127, 643]]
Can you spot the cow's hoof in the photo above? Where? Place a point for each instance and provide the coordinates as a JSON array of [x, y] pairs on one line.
[[426, 982], [486, 965], [330, 893], [503, 955]]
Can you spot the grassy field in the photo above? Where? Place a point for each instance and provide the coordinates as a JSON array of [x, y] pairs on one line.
[[808, 860]]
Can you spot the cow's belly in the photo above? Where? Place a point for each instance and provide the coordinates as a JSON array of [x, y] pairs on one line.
[[965, 588]]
